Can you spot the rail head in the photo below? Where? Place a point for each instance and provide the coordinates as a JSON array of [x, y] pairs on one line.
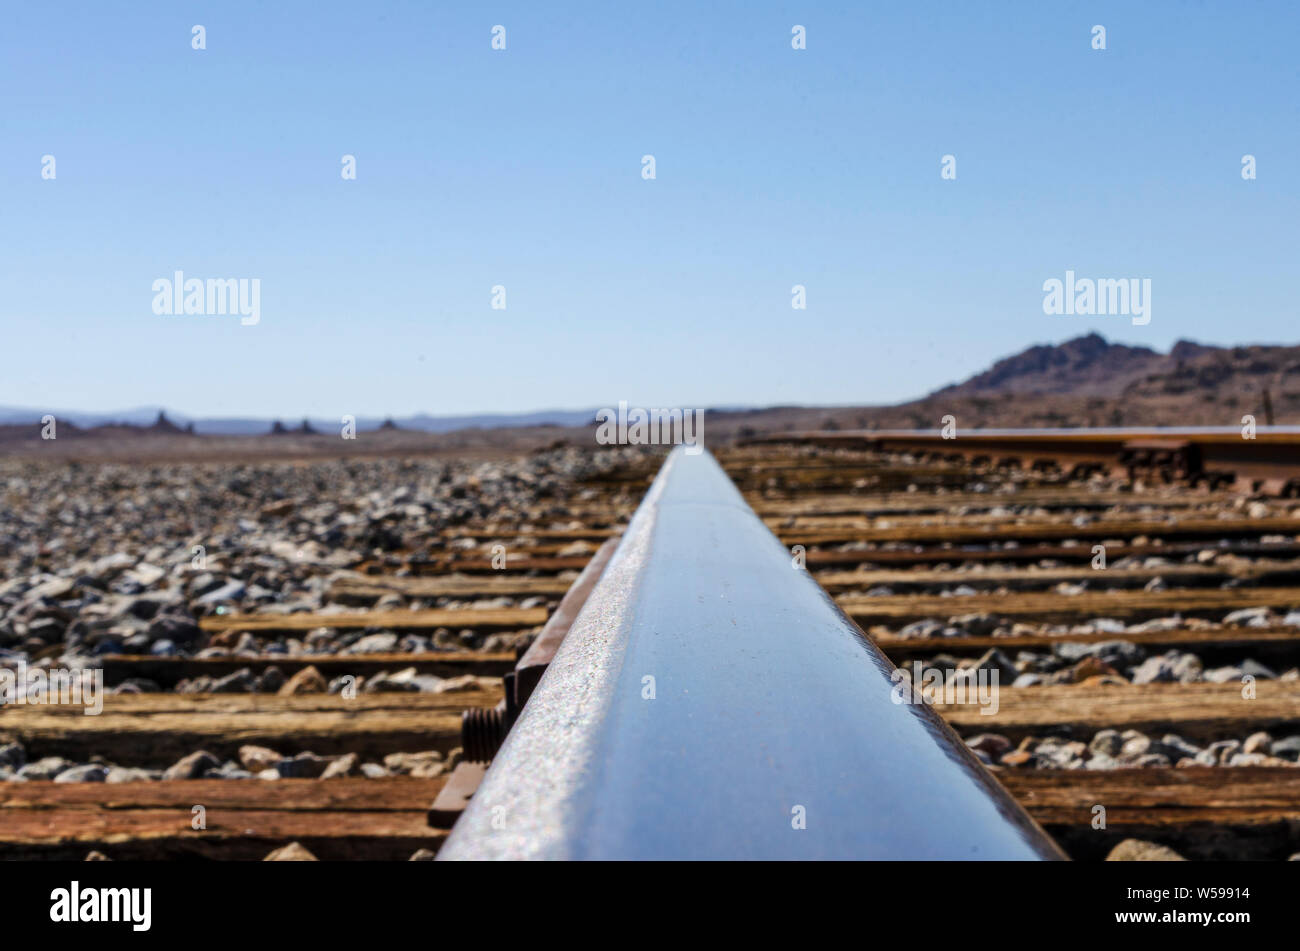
[[712, 702]]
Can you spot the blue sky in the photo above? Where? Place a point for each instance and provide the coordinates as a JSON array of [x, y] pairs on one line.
[[522, 168]]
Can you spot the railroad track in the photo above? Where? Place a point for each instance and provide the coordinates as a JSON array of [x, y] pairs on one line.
[[911, 552], [1002, 561], [1262, 460], [955, 564], [352, 816]]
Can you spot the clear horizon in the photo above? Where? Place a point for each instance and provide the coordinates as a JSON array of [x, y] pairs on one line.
[[181, 413], [523, 168]]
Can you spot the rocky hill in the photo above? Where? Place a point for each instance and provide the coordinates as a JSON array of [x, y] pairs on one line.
[[1084, 366], [1086, 381]]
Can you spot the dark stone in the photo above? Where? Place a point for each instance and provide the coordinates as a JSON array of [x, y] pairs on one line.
[[181, 631], [192, 766]]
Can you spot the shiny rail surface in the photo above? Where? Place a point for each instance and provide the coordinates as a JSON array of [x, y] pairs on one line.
[[712, 702]]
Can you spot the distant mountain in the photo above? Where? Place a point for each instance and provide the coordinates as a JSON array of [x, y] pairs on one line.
[[140, 416], [1087, 381], [1090, 366], [1084, 366], [157, 416]]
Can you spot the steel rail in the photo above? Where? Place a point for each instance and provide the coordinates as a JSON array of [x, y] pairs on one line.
[[1272, 455], [711, 702]]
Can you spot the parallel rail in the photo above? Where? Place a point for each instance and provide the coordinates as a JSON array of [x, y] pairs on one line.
[[1269, 460]]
